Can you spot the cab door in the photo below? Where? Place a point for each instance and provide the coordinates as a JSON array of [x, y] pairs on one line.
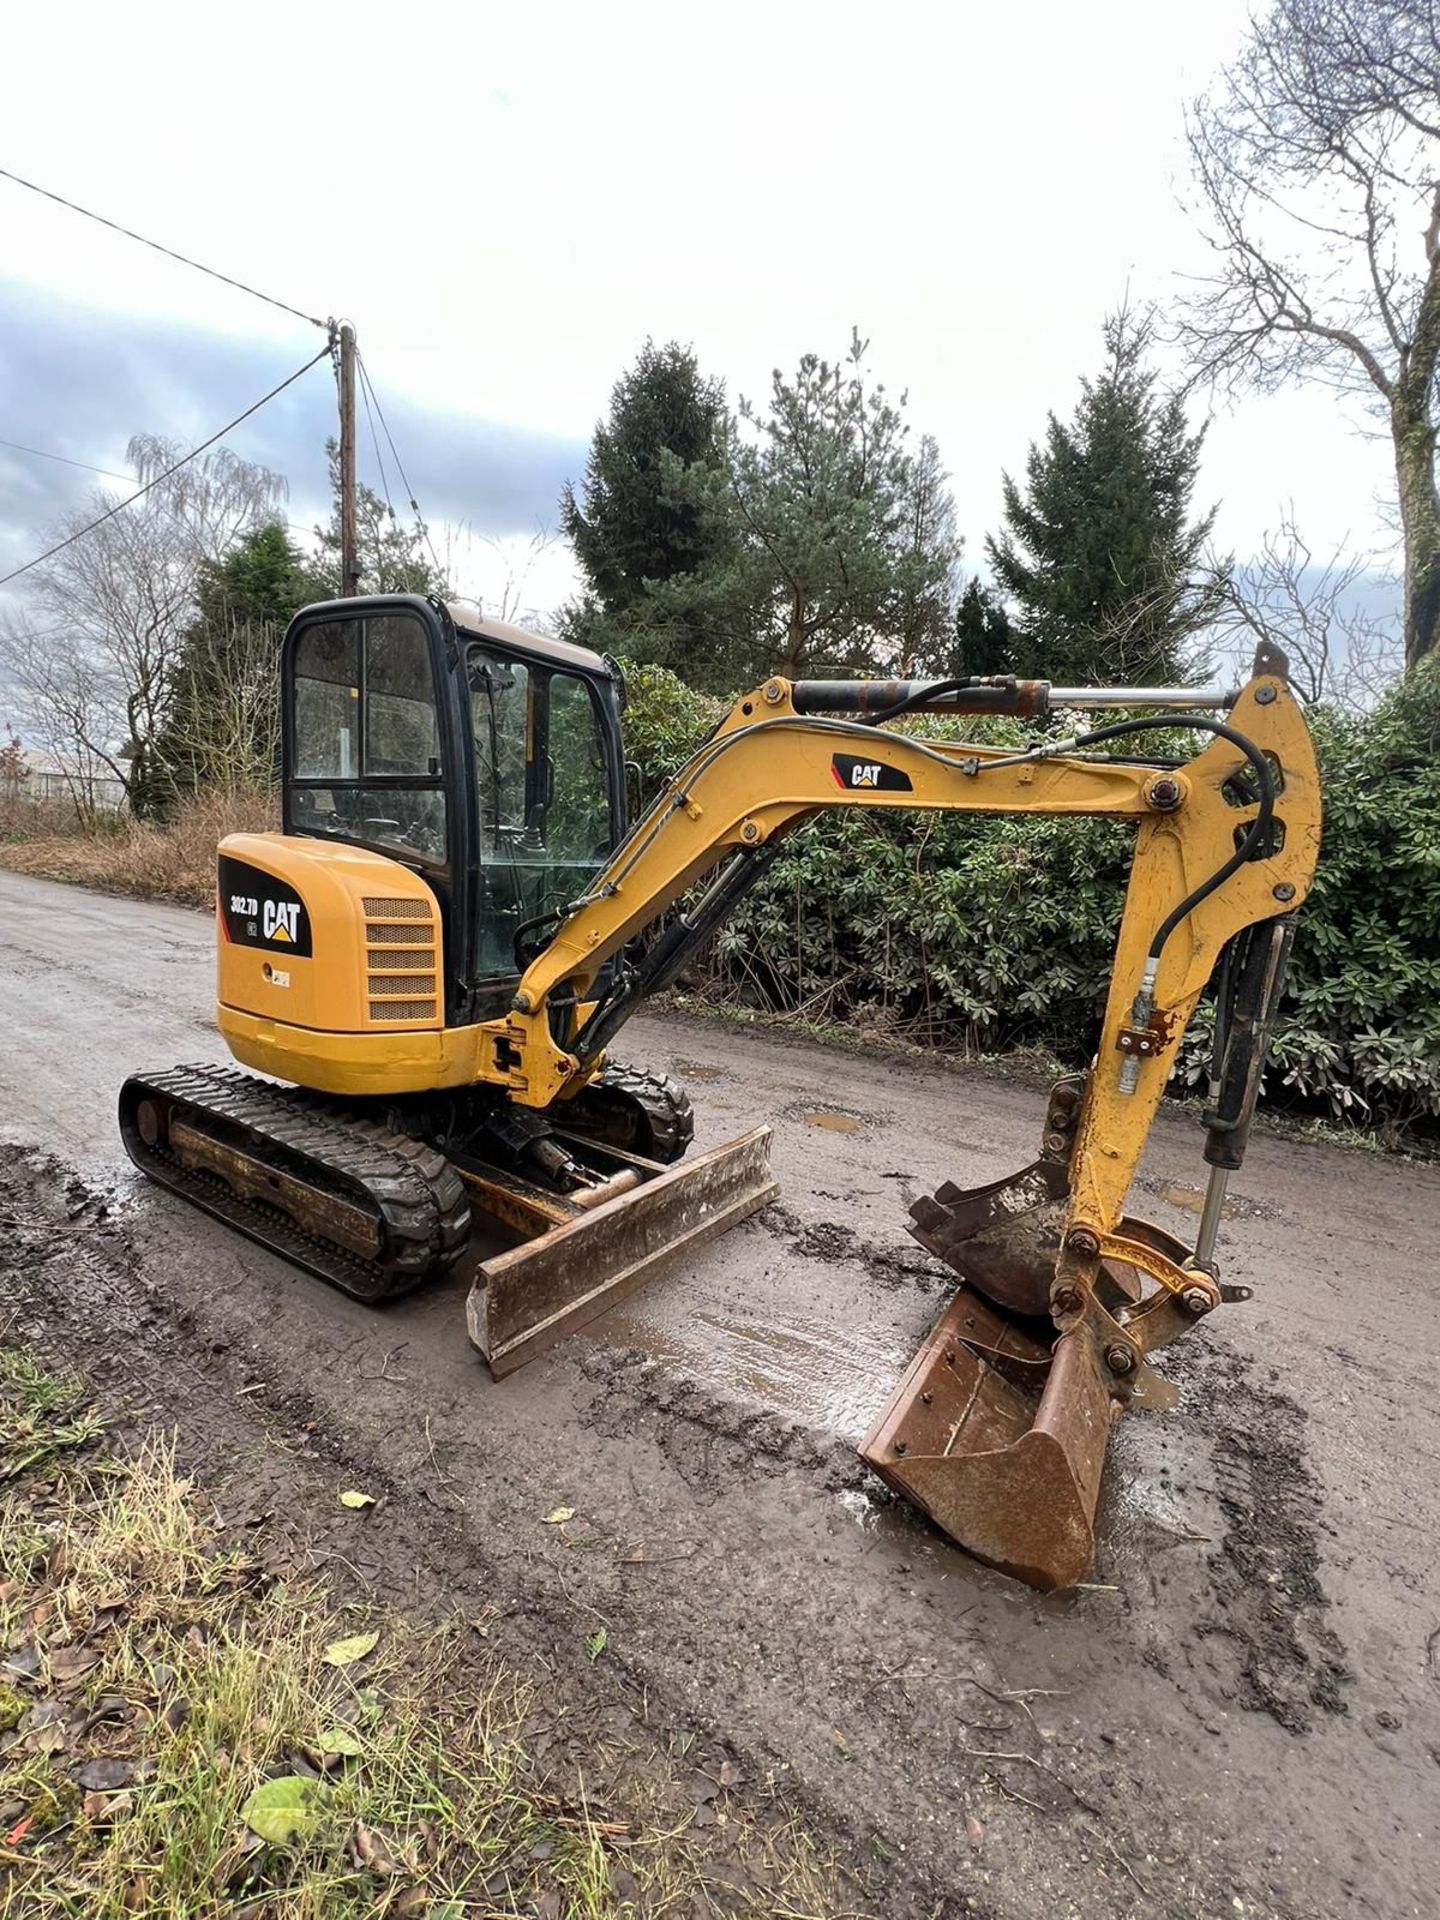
[[374, 752]]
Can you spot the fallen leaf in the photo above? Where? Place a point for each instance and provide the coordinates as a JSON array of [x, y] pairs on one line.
[[350, 1498], [368, 1706], [547, 1907], [176, 1714], [69, 1664], [344, 1653], [18, 1832], [104, 1809], [976, 1831], [281, 1810], [371, 1851], [339, 1740], [412, 1904], [542, 1849], [595, 1644], [557, 1516], [105, 1776]]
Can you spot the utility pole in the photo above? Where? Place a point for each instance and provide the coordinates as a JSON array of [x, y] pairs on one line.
[[349, 559]]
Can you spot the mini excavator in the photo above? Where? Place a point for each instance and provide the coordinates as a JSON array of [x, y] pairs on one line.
[[433, 957]]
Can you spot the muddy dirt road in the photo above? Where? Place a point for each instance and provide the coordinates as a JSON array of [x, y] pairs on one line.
[[1241, 1715]]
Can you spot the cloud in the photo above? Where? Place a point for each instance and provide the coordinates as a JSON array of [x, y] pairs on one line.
[[80, 382]]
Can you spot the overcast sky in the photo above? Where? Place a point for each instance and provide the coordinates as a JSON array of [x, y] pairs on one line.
[[506, 200]]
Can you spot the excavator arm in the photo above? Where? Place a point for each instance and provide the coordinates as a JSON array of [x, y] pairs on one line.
[[774, 763], [999, 1427]]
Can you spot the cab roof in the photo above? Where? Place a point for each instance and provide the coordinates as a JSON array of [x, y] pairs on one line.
[[470, 620]]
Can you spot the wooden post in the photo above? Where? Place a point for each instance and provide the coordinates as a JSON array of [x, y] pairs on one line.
[[349, 559]]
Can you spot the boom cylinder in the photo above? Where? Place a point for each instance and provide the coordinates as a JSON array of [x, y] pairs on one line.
[[876, 697], [1002, 694]]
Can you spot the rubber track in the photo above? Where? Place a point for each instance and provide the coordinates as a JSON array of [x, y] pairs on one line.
[[669, 1116], [417, 1195]]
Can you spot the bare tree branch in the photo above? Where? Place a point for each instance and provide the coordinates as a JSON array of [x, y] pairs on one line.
[[1315, 154]]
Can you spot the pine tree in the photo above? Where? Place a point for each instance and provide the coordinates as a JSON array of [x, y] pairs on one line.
[[846, 540], [1100, 557], [983, 642], [643, 530], [394, 557], [221, 726]]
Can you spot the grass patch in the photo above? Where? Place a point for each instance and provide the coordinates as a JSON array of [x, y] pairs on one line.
[[188, 1729]]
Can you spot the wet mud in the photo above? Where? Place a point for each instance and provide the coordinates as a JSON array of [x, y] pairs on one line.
[[1239, 1712]]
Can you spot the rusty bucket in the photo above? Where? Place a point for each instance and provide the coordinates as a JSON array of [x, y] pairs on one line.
[[998, 1427], [1001, 1440]]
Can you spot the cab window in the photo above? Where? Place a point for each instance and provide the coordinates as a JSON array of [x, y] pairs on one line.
[[365, 762], [542, 794]]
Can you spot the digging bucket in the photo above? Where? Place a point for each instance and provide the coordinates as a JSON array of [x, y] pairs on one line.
[[998, 1427], [575, 1263], [1001, 1439]]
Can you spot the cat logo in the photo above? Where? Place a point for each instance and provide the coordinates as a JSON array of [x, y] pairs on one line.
[[258, 909], [282, 919], [856, 775]]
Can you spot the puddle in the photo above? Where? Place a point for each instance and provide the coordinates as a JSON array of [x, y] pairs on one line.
[[831, 1117], [1235, 1206], [699, 1070], [1154, 1500], [1192, 1199]]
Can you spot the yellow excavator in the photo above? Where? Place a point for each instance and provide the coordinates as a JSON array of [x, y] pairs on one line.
[[437, 951]]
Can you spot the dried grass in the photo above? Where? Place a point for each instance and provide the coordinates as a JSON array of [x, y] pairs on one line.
[[169, 860]]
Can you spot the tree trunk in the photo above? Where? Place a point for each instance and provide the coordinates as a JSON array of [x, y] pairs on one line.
[[795, 636], [1414, 435]]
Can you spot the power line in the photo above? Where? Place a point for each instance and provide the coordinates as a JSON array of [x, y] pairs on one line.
[[379, 457], [399, 465], [81, 532], [65, 461], [183, 258]]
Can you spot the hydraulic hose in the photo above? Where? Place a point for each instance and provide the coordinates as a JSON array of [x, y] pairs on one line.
[[1255, 834]]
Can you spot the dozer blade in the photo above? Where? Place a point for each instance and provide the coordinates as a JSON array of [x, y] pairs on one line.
[[1012, 1477], [525, 1299]]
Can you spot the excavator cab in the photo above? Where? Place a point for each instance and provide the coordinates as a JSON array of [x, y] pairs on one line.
[[485, 758]]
